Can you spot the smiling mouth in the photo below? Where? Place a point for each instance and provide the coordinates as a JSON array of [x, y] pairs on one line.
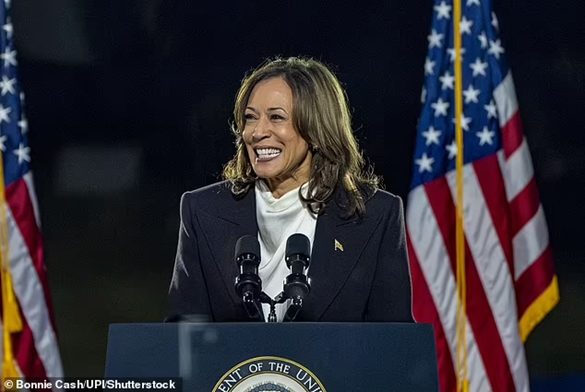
[[266, 154]]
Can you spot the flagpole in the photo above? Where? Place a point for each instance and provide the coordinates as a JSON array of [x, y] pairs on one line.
[[462, 376]]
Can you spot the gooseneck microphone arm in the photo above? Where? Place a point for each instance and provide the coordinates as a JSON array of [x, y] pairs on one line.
[[297, 285], [248, 284]]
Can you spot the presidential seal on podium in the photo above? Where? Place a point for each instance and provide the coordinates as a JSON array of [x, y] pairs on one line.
[[269, 374]]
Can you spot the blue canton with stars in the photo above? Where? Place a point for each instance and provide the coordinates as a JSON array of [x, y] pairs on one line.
[[13, 125], [484, 67]]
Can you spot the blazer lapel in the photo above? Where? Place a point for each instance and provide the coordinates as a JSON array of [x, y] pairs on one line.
[[337, 247], [223, 228]]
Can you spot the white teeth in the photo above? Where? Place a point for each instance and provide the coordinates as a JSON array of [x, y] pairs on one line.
[[268, 151]]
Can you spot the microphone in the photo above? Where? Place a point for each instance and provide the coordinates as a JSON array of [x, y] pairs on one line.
[[296, 285], [248, 284]]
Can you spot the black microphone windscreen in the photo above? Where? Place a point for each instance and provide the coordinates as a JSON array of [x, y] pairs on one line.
[[248, 244], [298, 244]]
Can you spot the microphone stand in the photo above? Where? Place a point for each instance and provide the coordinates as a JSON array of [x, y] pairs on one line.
[[265, 299], [254, 309], [291, 292]]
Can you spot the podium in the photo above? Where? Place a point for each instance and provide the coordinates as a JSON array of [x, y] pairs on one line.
[[250, 357]]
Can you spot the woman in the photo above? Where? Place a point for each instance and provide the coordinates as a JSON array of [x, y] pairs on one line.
[[297, 169]]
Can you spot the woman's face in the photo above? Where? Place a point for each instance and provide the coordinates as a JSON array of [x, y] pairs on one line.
[[277, 151]]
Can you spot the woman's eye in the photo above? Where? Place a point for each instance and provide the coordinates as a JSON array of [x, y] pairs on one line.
[[248, 117], [277, 117]]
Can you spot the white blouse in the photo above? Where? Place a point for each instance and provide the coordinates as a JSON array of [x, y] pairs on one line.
[[277, 220]]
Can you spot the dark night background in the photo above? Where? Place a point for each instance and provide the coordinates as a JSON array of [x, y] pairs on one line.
[[128, 104]]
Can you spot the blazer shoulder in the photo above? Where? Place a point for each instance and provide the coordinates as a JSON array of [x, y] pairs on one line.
[[218, 201], [384, 202], [209, 194]]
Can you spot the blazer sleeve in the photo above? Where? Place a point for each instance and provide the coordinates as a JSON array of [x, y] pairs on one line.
[[391, 295], [188, 298]]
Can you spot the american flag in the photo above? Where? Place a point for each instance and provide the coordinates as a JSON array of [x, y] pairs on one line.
[[34, 347], [511, 281]]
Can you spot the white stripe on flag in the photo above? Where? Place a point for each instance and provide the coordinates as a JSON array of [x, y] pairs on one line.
[[28, 179], [505, 99], [517, 170], [493, 271], [29, 291], [429, 246], [530, 242]]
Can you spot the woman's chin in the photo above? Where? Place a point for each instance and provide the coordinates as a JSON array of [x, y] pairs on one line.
[[266, 174], [267, 169]]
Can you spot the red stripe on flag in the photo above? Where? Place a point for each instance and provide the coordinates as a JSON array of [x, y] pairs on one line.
[[479, 312], [534, 281], [26, 354], [524, 206], [425, 311], [490, 180], [512, 135], [21, 206]]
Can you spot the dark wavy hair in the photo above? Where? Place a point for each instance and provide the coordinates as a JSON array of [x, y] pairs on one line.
[[321, 116]]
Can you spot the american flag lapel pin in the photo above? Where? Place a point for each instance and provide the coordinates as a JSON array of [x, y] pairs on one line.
[[338, 246]]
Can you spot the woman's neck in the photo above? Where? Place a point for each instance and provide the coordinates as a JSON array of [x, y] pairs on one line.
[[281, 188]]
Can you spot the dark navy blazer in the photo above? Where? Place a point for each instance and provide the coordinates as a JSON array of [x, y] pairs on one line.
[[368, 280]]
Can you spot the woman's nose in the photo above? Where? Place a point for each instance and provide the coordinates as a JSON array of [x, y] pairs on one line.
[[261, 130]]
